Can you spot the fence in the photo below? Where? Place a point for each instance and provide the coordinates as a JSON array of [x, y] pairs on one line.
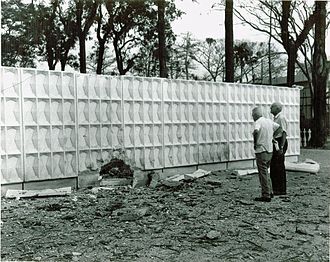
[[56, 124], [306, 135]]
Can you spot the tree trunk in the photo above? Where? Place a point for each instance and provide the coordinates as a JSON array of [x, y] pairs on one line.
[[51, 55], [319, 77], [82, 53], [119, 59], [186, 64], [242, 69], [63, 64], [229, 40], [269, 48], [292, 57], [161, 39], [100, 57], [64, 58]]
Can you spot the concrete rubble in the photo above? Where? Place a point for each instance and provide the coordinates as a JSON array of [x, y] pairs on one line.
[[18, 194], [308, 166], [201, 216]]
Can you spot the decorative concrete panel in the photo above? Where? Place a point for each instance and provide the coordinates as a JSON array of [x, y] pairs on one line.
[[11, 147], [49, 124], [99, 120], [55, 124], [143, 121], [180, 123]]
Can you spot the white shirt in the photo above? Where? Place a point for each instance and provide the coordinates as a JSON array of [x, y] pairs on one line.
[[281, 120], [266, 129]]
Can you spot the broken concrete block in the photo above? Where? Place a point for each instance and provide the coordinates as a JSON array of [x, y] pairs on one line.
[[155, 180], [212, 235], [131, 214], [170, 183], [110, 182], [244, 172], [141, 178], [96, 190], [308, 166], [213, 182], [12, 193], [116, 168], [180, 177], [198, 173], [177, 177], [89, 178]]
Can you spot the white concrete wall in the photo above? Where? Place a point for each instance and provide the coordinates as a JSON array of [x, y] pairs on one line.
[[55, 124]]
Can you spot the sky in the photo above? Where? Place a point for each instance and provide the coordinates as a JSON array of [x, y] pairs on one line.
[[203, 21]]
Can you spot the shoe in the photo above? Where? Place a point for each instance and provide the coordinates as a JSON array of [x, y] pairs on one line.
[[271, 195], [263, 199]]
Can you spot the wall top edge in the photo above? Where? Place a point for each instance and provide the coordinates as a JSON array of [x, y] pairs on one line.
[[294, 87]]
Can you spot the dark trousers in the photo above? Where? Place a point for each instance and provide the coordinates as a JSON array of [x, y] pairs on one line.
[[277, 169]]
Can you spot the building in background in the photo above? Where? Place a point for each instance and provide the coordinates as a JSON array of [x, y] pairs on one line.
[[306, 106]]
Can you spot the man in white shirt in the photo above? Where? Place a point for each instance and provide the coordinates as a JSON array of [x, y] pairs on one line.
[[277, 167], [264, 131]]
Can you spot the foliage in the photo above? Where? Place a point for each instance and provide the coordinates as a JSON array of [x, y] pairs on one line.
[[278, 19], [85, 11], [250, 62], [210, 55], [147, 59], [18, 40], [181, 64]]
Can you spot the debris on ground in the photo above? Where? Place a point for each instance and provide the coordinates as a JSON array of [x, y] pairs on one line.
[[142, 178], [17, 194], [155, 179], [113, 181], [308, 166], [197, 174], [213, 234], [212, 218], [244, 172], [116, 168], [89, 178]]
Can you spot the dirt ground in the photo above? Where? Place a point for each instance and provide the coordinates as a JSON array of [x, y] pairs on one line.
[[210, 219]]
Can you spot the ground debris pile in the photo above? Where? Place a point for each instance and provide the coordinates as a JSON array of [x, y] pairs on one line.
[[212, 218], [116, 168]]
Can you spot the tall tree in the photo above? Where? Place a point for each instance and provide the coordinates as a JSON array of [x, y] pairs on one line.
[[290, 44], [229, 41], [85, 17], [18, 39], [210, 55], [243, 55], [187, 49], [283, 25], [101, 41], [147, 60], [161, 38], [49, 31], [68, 36], [128, 20], [320, 76]]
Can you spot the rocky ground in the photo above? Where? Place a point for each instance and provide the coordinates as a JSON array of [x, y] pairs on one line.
[[210, 219]]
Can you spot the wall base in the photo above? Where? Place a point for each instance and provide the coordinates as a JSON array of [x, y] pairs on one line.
[[86, 179], [241, 164], [4, 188], [51, 184]]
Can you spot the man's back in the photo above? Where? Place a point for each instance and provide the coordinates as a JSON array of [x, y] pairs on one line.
[[265, 128]]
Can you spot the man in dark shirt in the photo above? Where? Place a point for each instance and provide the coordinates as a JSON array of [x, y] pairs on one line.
[[277, 167]]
